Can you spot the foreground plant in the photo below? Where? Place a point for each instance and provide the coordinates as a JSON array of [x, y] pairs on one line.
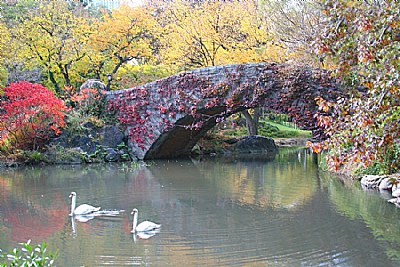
[[28, 255]]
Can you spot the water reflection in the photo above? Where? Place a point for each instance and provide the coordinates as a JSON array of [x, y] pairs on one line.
[[214, 212], [82, 218], [371, 207], [145, 235]]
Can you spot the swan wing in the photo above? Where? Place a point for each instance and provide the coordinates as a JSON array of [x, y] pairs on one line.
[[107, 212], [146, 226], [85, 209]]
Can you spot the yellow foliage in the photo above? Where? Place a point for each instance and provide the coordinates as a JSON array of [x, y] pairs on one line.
[[53, 38], [120, 37], [198, 34], [4, 42]]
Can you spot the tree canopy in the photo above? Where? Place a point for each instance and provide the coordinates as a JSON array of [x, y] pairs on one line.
[[52, 37], [67, 42], [209, 33], [119, 38]]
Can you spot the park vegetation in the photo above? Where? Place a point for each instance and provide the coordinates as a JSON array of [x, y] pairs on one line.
[[60, 44], [362, 38]]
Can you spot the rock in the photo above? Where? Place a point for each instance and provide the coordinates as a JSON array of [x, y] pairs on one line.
[[95, 144], [231, 141], [64, 155], [252, 148], [371, 181], [395, 186], [111, 155], [112, 136], [85, 143], [393, 200], [90, 130], [255, 144], [385, 184], [93, 83], [196, 150], [396, 193]]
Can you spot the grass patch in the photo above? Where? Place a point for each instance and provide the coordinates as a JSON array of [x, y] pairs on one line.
[[276, 130]]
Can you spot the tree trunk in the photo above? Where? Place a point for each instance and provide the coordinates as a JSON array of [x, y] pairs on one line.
[[54, 82], [116, 67], [252, 122]]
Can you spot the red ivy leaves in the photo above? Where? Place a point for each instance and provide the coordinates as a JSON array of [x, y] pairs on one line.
[[29, 115], [188, 95]]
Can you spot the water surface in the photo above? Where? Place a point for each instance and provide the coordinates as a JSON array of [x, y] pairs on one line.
[[214, 212]]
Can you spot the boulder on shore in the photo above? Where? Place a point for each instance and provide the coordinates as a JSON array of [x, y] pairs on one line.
[[94, 84], [251, 148], [255, 144]]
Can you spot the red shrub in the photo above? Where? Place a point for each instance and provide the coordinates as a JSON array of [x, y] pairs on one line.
[[29, 115]]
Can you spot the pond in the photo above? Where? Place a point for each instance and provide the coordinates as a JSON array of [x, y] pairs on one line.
[[213, 211]]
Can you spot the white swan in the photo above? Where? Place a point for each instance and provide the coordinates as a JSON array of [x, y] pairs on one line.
[[83, 209], [144, 226]]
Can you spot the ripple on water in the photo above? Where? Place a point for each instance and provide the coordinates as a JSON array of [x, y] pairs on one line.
[[274, 240], [104, 260]]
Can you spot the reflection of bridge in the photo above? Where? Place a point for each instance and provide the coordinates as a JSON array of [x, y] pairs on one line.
[[167, 117]]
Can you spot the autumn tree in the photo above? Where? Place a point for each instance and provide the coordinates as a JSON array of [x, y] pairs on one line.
[[12, 13], [4, 41], [121, 36], [52, 37], [209, 33], [363, 39], [294, 25]]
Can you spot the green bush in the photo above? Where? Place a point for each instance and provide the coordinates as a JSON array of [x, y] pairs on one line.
[[28, 255], [388, 164], [34, 156]]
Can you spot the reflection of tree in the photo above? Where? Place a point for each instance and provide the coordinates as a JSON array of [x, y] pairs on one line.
[[265, 185], [32, 216], [380, 216]]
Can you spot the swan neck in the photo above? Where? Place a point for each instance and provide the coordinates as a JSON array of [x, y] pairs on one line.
[[73, 204], [135, 220]]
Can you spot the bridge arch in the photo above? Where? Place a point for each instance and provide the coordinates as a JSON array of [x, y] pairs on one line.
[[166, 118]]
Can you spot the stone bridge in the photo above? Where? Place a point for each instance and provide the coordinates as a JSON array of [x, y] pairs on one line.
[[166, 118]]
